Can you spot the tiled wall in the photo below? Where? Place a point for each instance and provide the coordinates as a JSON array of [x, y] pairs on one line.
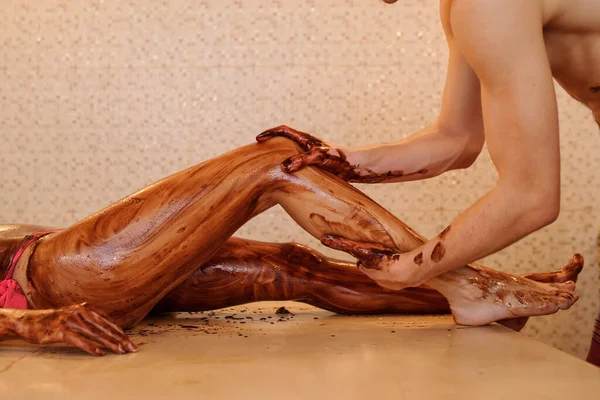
[[99, 98]]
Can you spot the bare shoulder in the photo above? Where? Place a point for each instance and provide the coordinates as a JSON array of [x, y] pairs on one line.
[[18, 230], [445, 16], [497, 37], [494, 12]]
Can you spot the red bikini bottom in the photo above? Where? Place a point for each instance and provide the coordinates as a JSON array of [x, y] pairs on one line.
[[11, 294]]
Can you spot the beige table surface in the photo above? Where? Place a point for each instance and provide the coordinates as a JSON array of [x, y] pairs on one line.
[[252, 353]]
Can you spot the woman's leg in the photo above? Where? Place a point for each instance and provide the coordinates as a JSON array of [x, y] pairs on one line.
[[243, 271], [477, 295], [125, 258]]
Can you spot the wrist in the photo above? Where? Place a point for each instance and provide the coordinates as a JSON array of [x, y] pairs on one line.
[[7, 324], [357, 158], [22, 320]]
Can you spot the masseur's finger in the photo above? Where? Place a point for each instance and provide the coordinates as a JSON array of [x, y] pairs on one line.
[[318, 157], [299, 161], [371, 255], [341, 244], [358, 249], [305, 140]]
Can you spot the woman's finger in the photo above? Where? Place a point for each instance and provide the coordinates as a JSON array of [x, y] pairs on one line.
[[89, 346], [85, 328], [114, 330]]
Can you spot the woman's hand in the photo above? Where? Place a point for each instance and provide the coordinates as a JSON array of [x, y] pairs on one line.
[[77, 325]]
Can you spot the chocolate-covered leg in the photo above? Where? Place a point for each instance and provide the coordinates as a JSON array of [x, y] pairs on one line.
[[125, 258], [477, 295], [244, 271]]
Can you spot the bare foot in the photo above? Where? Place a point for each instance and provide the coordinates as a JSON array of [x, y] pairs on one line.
[[567, 273], [482, 296], [479, 295]]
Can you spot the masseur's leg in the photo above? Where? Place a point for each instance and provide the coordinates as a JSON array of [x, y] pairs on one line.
[[244, 271]]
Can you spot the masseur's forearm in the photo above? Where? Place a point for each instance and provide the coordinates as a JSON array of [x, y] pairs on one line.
[[426, 154], [500, 218]]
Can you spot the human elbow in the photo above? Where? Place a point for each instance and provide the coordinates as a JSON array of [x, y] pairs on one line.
[[547, 212], [539, 207], [469, 153], [468, 143]]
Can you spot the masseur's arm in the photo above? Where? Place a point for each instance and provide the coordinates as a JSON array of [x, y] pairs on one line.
[[453, 141], [502, 40], [77, 325]]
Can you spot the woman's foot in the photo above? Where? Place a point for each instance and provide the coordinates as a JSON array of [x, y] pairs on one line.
[[567, 273], [482, 296], [478, 295]]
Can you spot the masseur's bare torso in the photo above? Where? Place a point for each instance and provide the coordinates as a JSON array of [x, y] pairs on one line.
[[572, 39]]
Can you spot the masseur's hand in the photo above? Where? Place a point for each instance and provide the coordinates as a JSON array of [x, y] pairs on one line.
[[383, 265], [77, 325], [318, 153]]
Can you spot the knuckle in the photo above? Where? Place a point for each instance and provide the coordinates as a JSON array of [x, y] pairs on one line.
[[282, 129]]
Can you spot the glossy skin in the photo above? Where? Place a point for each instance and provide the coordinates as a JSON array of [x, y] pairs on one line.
[[78, 325], [503, 57], [452, 142], [126, 258], [245, 271]]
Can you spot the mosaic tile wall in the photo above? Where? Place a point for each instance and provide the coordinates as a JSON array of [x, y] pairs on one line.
[[99, 98]]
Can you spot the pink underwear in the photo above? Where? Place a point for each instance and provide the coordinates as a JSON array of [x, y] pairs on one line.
[[11, 294]]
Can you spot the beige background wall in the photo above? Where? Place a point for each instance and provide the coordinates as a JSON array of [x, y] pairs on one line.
[[99, 98]]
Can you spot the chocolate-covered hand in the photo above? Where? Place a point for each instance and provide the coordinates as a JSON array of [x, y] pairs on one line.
[[318, 153], [77, 325], [378, 262]]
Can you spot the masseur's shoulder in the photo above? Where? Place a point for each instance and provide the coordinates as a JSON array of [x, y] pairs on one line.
[[494, 34], [494, 12]]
